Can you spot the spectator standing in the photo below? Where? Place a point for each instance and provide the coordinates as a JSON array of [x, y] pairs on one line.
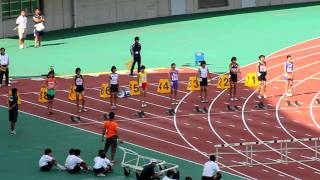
[[211, 169], [135, 53], [4, 66], [39, 27], [21, 22], [110, 132]]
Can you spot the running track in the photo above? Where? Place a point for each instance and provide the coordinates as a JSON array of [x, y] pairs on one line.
[[190, 135]]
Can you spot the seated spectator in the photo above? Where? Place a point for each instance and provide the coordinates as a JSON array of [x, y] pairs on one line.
[[74, 163], [47, 161], [102, 165], [211, 170], [188, 178], [148, 172], [169, 175]]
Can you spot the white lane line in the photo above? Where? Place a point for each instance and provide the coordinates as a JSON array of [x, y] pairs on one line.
[[268, 114], [195, 137], [275, 87], [231, 125], [227, 135], [298, 112], [204, 118], [264, 123], [71, 114], [260, 133], [200, 127], [218, 122], [236, 116], [275, 137], [126, 118], [313, 118], [300, 167], [187, 124], [293, 131], [311, 125], [209, 142], [277, 113]]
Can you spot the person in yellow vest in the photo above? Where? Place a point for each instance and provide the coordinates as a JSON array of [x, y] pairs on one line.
[[50, 84], [142, 80], [234, 70]]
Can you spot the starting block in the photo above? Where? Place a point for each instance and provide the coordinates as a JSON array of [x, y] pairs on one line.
[[238, 108], [140, 114], [318, 101], [230, 108], [104, 116], [201, 110], [261, 105], [233, 108], [171, 112], [296, 103], [75, 119]]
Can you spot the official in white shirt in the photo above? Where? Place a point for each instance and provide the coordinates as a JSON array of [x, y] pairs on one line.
[[102, 165], [4, 66], [211, 169], [47, 161], [21, 22], [74, 162]]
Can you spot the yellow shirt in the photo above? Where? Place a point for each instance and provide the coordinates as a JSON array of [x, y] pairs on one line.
[[142, 77]]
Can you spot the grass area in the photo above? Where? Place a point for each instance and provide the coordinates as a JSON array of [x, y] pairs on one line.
[[19, 154], [243, 33]]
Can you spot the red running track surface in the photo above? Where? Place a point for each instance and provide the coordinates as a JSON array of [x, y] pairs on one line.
[[191, 135]]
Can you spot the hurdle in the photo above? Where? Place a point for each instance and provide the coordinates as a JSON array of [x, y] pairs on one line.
[[284, 147]]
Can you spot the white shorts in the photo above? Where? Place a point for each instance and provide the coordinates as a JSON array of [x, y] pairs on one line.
[[22, 33]]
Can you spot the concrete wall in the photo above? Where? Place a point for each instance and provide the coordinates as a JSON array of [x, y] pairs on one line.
[[192, 5], [60, 14]]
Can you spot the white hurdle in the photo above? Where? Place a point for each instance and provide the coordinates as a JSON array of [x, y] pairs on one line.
[[285, 147]]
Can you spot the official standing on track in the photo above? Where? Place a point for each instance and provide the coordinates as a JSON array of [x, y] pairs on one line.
[[4, 67], [22, 21], [135, 53], [110, 132], [211, 169], [13, 109]]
